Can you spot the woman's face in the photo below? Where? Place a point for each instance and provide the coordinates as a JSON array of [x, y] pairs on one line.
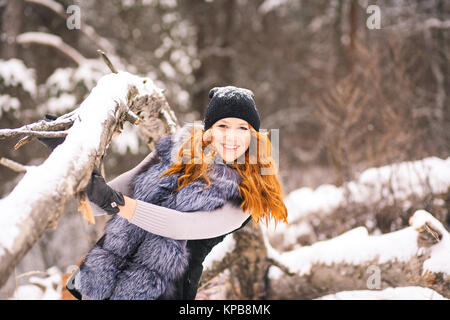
[[231, 138]]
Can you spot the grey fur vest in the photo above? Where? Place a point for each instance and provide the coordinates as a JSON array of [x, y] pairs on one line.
[[131, 263]]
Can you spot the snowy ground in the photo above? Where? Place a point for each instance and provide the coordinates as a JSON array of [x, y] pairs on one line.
[[400, 293]]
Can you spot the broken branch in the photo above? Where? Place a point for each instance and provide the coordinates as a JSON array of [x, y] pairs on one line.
[[13, 165]]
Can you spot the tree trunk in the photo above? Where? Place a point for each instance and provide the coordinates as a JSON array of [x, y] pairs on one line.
[[214, 40], [11, 27]]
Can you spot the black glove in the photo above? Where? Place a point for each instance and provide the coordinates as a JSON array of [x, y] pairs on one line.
[[103, 195], [51, 143]]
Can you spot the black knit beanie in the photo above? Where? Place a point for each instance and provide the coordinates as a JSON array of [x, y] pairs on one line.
[[232, 102]]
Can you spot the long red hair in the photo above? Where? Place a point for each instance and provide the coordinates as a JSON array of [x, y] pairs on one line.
[[261, 193]]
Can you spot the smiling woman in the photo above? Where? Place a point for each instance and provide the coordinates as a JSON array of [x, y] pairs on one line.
[[157, 252], [231, 138]]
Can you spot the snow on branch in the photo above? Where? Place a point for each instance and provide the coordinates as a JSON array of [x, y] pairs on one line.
[[418, 255], [413, 25], [435, 23], [332, 209], [12, 133], [39, 198]]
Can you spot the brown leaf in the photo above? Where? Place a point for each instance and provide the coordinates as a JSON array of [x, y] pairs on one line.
[[85, 208]]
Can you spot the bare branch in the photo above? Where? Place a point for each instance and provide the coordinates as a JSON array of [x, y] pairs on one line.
[[51, 40], [23, 141], [107, 61], [132, 118], [13, 165], [86, 29]]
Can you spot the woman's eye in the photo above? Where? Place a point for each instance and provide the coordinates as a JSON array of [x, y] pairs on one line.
[[244, 128], [222, 126]]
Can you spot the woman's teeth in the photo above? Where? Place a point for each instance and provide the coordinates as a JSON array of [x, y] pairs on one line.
[[226, 146]]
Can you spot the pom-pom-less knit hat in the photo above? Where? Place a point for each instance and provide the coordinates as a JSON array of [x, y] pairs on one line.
[[232, 102]]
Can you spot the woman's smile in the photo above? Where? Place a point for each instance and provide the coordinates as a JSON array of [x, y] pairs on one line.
[[230, 147]]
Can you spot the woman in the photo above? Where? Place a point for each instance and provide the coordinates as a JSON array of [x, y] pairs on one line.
[[200, 184]]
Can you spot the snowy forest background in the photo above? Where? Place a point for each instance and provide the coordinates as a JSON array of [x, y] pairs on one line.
[[363, 114]]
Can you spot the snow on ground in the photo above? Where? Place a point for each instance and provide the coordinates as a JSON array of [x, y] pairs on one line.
[[41, 288], [399, 293]]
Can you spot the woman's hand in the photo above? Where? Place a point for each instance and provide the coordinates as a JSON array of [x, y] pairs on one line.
[[51, 143], [103, 195]]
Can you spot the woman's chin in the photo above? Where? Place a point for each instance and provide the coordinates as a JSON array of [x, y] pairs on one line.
[[227, 158], [230, 159]]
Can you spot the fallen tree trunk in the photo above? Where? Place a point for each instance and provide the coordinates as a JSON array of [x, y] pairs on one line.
[[418, 255], [244, 255], [39, 198], [381, 199]]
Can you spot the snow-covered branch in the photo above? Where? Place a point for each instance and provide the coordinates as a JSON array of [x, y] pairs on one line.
[[39, 198], [12, 133], [418, 255], [324, 212]]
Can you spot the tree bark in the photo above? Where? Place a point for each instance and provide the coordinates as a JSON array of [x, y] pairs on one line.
[[11, 27]]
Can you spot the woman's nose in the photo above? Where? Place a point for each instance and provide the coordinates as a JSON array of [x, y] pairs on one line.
[[231, 139]]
